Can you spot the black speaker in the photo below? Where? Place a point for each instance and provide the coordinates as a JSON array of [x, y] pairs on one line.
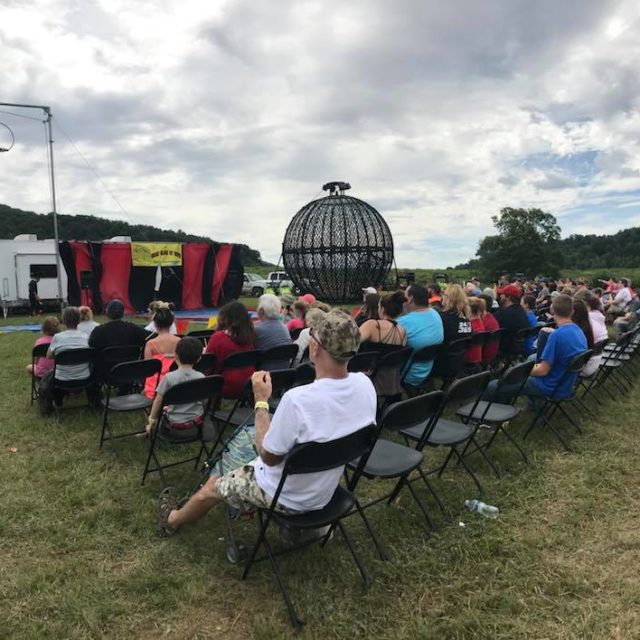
[[86, 279], [410, 277]]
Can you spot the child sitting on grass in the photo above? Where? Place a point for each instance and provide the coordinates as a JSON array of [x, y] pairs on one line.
[[179, 416]]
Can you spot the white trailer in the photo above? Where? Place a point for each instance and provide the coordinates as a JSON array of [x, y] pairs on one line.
[[19, 259]]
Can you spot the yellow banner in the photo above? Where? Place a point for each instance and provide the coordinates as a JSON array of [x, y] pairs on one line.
[[156, 254]]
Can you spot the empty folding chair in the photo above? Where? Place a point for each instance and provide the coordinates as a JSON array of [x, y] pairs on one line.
[[109, 357], [201, 334], [280, 357], [585, 381], [388, 375], [496, 412], [364, 362], [552, 403], [131, 375], [512, 346], [452, 433], [313, 457], [608, 367], [208, 391], [420, 356], [393, 461], [450, 361], [39, 351]]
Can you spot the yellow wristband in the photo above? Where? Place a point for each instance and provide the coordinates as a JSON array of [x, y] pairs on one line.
[[261, 404], [152, 421]]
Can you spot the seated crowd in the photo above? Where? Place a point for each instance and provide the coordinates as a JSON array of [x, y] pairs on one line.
[[564, 318]]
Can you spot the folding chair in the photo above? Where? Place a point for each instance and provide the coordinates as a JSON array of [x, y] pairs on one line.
[[280, 357], [512, 346], [491, 348], [585, 383], [608, 366], [421, 356], [552, 403], [295, 333], [109, 357], [478, 340], [39, 351], [451, 433], [390, 460], [235, 362], [201, 334], [450, 361], [206, 364], [393, 360], [496, 414], [207, 390], [70, 357], [314, 457], [364, 362], [131, 375]]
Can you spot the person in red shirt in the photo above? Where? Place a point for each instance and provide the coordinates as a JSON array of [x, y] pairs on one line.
[[234, 334], [300, 308], [474, 353], [489, 351]]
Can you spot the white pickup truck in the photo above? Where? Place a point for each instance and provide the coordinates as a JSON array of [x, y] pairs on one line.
[[276, 279]]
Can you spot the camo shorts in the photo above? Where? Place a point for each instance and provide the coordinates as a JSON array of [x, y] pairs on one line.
[[240, 489]]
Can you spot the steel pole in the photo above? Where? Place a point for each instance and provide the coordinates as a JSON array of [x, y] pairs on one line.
[[47, 110]]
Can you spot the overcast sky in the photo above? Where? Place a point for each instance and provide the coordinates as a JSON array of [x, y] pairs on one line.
[[224, 118]]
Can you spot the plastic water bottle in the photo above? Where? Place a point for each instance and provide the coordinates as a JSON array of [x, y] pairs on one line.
[[487, 510]]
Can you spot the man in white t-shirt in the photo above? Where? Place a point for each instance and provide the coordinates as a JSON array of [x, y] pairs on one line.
[[336, 404]]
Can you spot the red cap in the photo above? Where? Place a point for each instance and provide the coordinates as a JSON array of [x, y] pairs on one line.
[[511, 291], [309, 298]]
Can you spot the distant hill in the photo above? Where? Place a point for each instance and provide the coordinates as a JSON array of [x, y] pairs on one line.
[[85, 227]]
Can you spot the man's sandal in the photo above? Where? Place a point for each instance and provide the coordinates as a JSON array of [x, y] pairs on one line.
[[167, 503]]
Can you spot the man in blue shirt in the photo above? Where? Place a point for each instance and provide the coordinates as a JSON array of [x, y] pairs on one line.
[[548, 377], [424, 328]]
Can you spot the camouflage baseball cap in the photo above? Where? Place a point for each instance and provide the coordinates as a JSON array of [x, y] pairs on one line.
[[336, 332]]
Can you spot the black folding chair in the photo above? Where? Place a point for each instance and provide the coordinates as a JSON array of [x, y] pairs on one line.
[[364, 362], [201, 334], [39, 351], [295, 333], [109, 357], [512, 346], [585, 383], [315, 457], [305, 374], [393, 461], [394, 360], [207, 390], [420, 356], [496, 414], [74, 357], [450, 361], [552, 403], [131, 375], [280, 357], [478, 340], [206, 364], [452, 433], [491, 345]]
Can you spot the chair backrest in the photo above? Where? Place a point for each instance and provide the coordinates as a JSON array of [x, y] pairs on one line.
[[478, 338], [282, 380], [295, 333], [621, 343], [408, 413], [133, 371], [241, 360], [598, 347], [578, 361], [278, 357], [514, 341], [109, 357], [494, 336], [312, 457], [364, 361], [468, 388], [206, 363], [305, 373], [201, 334], [39, 351], [395, 359], [426, 354], [515, 378], [451, 358], [84, 355], [204, 389]]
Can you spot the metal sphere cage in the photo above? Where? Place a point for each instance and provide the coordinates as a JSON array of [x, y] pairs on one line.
[[335, 246]]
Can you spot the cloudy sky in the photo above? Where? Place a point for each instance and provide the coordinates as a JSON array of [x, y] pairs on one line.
[[225, 117]]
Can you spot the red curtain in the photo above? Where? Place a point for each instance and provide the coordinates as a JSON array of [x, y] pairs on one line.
[[116, 270], [220, 268], [83, 261], [193, 259]]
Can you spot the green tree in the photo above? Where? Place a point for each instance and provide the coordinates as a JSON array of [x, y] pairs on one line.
[[528, 241]]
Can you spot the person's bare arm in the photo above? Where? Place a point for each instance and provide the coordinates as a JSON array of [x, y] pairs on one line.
[[541, 369], [154, 413], [261, 383]]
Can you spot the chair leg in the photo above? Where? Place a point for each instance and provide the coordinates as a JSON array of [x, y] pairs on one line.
[[469, 471], [379, 548], [512, 441], [434, 493], [151, 455], [366, 578], [484, 454], [570, 418], [422, 508]]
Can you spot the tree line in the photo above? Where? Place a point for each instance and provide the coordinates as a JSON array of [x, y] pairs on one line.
[[87, 227]]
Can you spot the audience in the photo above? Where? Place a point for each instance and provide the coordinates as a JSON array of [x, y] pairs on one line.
[[305, 335], [473, 357], [153, 308], [235, 334], [529, 305], [623, 296], [423, 327], [490, 350], [369, 310], [336, 404], [43, 365], [300, 308], [87, 323], [270, 330], [164, 344], [510, 316]]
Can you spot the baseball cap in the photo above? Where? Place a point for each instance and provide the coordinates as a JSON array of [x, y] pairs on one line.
[[287, 299], [369, 290], [115, 309], [309, 298], [336, 332], [511, 291]]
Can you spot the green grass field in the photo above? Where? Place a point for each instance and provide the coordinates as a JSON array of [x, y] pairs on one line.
[[79, 556]]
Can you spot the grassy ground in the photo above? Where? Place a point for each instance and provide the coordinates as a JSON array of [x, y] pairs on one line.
[[79, 557]]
